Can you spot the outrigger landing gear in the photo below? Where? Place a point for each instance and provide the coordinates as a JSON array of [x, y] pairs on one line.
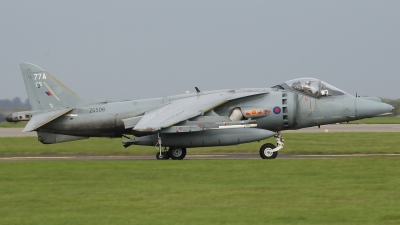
[[269, 151]]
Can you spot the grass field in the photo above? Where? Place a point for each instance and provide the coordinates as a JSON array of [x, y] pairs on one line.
[[378, 120], [295, 143], [297, 191], [13, 125]]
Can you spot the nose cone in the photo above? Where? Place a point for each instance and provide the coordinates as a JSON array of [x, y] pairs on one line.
[[387, 109], [372, 107], [9, 118]]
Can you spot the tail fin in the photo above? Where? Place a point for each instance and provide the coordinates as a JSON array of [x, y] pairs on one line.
[[46, 92]]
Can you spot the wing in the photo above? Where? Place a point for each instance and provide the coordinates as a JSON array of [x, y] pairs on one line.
[[183, 109]]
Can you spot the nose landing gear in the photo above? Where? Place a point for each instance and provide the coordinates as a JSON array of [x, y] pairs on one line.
[[269, 151]]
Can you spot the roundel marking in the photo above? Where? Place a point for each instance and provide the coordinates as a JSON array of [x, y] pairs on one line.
[[277, 110]]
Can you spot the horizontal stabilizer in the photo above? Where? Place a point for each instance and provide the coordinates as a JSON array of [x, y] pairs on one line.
[[41, 119]]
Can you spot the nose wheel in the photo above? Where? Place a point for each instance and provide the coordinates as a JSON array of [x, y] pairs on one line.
[[267, 151], [270, 151]]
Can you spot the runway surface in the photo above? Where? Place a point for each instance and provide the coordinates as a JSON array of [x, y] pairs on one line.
[[17, 132], [222, 156]]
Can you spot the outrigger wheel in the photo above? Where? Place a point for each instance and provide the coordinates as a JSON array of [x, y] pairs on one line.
[[266, 151]]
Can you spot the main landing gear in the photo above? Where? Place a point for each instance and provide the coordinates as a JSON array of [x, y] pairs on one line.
[[174, 153], [269, 151]]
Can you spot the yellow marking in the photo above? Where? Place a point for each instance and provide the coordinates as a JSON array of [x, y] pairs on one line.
[[303, 117], [350, 155], [38, 157], [205, 156], [215, 105], [61, 83], [335, 117], [319, 118], [52, 92]]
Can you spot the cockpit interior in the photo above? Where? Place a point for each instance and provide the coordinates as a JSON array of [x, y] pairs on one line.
[[311, 87]]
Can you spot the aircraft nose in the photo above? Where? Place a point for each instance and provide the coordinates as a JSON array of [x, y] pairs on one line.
[[384, 109], [372, 107], [388, 108]]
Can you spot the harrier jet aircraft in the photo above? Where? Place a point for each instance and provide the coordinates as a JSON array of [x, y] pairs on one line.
[[200, 119]]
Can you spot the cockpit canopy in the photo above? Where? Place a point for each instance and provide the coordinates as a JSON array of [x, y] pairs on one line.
[[312, 87]]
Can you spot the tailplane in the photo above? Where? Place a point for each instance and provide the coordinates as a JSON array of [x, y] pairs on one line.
[[46, 92]]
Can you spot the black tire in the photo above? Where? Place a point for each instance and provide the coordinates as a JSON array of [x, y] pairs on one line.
[[165, 155], [266, 153], [177, 153]]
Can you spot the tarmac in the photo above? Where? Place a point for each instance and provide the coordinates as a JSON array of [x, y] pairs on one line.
[[194, 156], [17, 132]]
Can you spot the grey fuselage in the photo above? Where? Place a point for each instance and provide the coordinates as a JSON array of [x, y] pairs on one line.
[[288, 110]]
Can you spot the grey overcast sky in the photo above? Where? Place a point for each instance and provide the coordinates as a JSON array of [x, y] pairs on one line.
[[119, 50]]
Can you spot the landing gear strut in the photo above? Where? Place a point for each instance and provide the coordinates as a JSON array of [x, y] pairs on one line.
[[164, 155], [269, 151], [161, 154]]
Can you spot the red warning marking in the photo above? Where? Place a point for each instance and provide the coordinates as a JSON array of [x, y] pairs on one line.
[[247, 113], [306, 99], [180, 128], [266, 111], [253, 112], [260, 112]]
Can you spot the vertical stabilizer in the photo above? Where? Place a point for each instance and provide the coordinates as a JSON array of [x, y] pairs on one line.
[[45, 91]]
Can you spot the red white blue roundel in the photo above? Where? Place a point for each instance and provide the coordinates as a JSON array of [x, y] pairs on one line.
[[277, 110]]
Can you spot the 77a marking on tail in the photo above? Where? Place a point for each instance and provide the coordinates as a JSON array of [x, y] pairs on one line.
[[40, 76]]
